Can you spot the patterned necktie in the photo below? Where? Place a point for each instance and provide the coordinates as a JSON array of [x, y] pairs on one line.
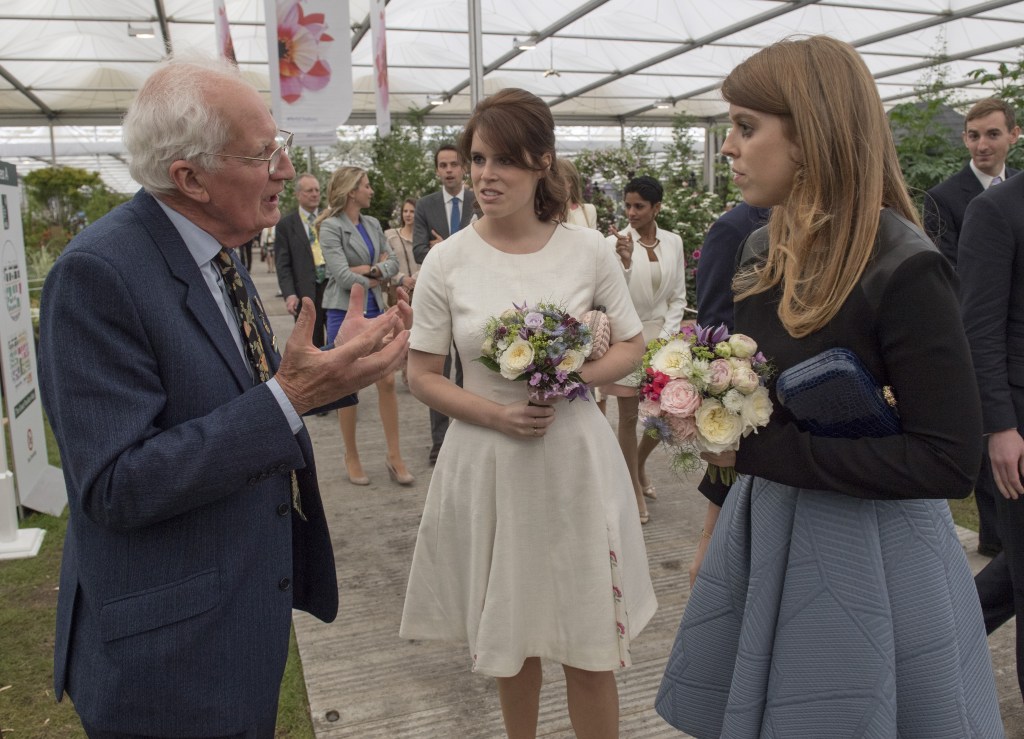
[[996, 180], [456, 217], [314, 245], [251, 340]]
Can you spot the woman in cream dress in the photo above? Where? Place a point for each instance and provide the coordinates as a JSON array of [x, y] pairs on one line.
[[653, 263], [530, 546]]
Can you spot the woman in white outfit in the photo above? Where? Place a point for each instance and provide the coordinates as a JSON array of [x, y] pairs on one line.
[[653, 263]]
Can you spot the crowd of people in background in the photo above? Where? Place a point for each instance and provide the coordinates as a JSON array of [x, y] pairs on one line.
[[826, 250]]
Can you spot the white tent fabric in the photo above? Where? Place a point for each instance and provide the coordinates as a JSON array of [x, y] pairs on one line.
[[70, 67]]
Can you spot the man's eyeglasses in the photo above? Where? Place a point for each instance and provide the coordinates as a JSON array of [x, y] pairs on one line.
[[284, 140]]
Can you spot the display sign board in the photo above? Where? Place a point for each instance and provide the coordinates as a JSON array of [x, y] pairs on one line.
[[40, 486]]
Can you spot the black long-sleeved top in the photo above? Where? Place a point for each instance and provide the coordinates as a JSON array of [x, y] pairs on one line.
[[903, 321]]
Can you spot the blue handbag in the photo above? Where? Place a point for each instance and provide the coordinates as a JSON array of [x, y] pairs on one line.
[[833, 394]]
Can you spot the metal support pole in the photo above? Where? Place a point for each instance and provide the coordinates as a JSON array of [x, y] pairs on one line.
[[476, 56]]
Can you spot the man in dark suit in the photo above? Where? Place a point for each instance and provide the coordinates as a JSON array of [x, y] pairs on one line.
[[717, 263], [196, 523], [433, 221], [989, 131], [300, 262], [992, 298], [438, 216]]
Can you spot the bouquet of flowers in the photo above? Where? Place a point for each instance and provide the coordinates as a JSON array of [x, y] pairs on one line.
[[702, 391], [541, 344]]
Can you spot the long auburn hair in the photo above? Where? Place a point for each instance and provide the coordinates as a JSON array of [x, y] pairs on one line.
[[822, 236], [519, 125]]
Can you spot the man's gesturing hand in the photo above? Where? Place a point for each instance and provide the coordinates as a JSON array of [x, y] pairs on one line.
[[368, 350]]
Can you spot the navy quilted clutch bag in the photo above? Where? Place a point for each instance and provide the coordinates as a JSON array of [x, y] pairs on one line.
[[833, 394]]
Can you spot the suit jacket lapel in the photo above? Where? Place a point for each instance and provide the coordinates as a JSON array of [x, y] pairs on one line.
[[198, 298], [355, 239]]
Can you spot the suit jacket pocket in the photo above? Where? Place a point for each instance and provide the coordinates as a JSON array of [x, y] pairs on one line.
[[151, 609]]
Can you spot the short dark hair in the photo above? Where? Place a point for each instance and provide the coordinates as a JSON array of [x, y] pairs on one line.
[[984, 107], [519, 126], [647, 188], [447, 146]]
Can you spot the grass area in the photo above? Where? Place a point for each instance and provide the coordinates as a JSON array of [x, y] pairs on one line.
[[965, 512], [28, 607]]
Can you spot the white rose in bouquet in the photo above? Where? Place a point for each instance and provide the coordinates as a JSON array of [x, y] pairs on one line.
[[757, 409], [745, 380], [673, 359], [718, 430], [742, 346], [515, 359], [572, 360]]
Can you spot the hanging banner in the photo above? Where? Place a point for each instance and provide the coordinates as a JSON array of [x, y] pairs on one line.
[[380, 65], [40, 486], [225, 47], [310, 69]]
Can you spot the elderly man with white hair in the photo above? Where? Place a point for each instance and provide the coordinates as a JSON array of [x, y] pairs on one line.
[[196, 523]]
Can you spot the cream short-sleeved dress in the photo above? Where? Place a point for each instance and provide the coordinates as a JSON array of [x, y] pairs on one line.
[[527, 547]]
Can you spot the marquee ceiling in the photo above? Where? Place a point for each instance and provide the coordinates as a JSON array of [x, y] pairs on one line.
[[72, 63]]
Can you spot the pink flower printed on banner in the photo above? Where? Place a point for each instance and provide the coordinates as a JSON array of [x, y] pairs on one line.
[[301, 39]]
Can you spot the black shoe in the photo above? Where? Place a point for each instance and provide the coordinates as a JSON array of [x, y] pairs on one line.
[[989, 550]]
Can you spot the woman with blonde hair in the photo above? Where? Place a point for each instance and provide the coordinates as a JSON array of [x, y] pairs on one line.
[[529, 545], [576, 211], [832, 596], [355, 251]]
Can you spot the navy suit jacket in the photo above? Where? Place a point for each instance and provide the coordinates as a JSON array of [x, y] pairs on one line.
[[183, 557], [944, 207], [431, 216], [717, 264]]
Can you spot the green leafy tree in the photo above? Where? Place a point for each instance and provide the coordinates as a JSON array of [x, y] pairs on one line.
[[403, 166], [61, 193], [1009, 81], [605, 173], [688, 209], [928, 146], [60, 201]]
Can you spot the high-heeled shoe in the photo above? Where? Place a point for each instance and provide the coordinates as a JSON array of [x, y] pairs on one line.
[[645, 516], [649, 492], [406, 479], [356, 479]]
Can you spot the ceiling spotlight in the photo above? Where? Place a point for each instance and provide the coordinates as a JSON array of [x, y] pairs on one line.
[[525, 45], [440, 100], [664, 103], [141, 31]]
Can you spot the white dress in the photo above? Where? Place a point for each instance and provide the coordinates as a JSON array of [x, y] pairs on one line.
[[527, 547]]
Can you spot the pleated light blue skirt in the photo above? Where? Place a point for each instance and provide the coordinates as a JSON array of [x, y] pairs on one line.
[[820, 615]]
